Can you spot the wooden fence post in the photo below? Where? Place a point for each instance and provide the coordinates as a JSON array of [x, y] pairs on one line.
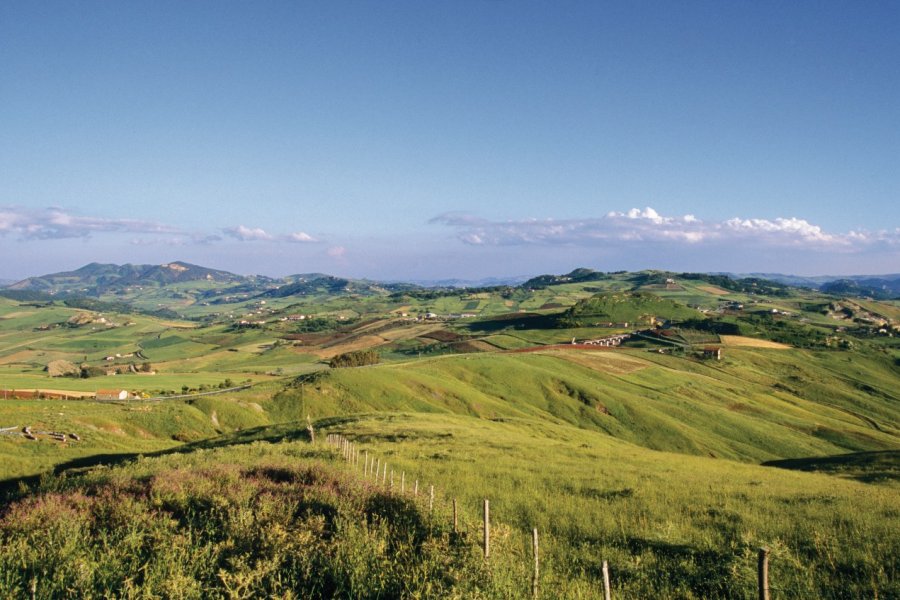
[[537, 566], [606, 591], [763, 574], [431, 498], [377, 469], [403, 482], [392, 480], [487, 528], [455, 521], [366, 464], [416, 488], [384, 476]]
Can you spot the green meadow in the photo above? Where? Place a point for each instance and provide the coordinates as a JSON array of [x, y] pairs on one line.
[[673, 469]]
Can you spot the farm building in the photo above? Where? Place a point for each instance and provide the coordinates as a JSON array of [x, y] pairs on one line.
[[113, 395], [712, 352]]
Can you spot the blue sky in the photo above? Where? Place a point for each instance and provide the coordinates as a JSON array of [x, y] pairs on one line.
[[454, 139]]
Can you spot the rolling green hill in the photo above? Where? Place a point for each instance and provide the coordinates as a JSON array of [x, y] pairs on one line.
[[652, 461], [625, 307]]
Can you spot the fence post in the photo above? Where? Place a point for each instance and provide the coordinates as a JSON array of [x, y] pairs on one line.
[[392, 480], [487, 528], [431, 498], [537, 567], [377, 469], [416, 488], [366, 464], [763, 574], [606, 590], [403, 482], [455, 521], [384, 476]]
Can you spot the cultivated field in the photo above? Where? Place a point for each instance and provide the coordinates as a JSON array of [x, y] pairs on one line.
[[741, 341]]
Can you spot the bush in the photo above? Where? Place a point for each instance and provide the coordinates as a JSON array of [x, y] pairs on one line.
[[359, 358]]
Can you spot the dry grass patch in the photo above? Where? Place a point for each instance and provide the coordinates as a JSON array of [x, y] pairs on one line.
[[361, 343], [748, 342], [61, 392], [712, 289]]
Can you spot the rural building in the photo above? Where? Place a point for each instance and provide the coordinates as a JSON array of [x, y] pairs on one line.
[[113, 395], [712, 352]]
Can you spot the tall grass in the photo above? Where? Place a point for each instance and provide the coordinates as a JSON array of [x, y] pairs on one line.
[[249, 522], [671, 526]]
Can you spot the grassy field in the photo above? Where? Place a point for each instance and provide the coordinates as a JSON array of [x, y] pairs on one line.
[[671, 526], [651, 461], [738, 408]]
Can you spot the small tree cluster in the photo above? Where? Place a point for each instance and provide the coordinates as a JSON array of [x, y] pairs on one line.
[[355, 359]]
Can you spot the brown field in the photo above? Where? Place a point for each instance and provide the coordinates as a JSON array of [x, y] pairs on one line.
[[411, 331], [442, 335], [50, 392], [363, 342], [739, 340], [712, 289]]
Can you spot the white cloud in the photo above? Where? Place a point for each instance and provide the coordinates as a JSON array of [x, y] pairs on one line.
[[643, 226], [58, 223], [247, 234], [798, 229], [300, 237], [336, 252]]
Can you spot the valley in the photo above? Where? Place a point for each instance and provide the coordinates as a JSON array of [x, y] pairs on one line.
[[670, 424]]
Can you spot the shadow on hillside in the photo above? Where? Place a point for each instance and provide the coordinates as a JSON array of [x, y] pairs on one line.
[[514, 321], [288, 432], [868, 467]]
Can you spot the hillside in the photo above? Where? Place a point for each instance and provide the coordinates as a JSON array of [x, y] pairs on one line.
[[95, 278], [756, 405], [268, 511], [646, 455], [638, 308]]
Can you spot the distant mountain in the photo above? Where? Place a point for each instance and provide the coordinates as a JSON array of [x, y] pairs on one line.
[[6, 282], [580, 275], [875, 286], [318, 283], [96, 278], [468, 283]]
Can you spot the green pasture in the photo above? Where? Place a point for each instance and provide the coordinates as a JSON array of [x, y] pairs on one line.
[[671, 526], [132, 382], [115, 429], [734, 409]]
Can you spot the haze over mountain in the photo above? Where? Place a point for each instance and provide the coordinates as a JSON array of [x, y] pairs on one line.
[[109, 276], [96, 279]]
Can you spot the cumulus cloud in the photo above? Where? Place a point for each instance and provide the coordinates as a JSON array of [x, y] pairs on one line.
[[649, 226], [257, 234], [247, 234], [300, 237], [57, 223]]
